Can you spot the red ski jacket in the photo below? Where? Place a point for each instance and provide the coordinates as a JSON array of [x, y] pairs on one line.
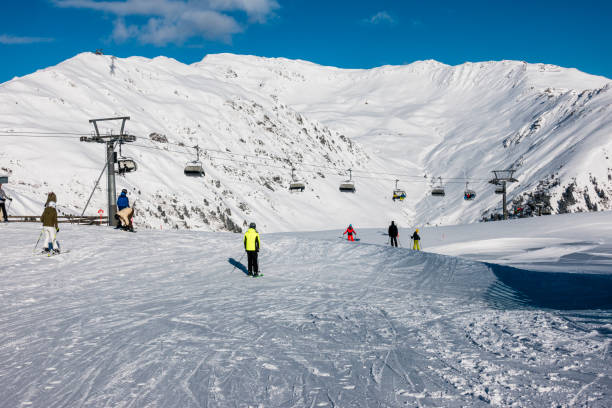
[[350, 231]]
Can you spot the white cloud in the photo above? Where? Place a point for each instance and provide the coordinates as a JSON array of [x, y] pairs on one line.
[[14, 40], [176, 21], [382, 17]]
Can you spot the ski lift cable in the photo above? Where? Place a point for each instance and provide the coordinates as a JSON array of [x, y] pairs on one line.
[[26, 132], [335, 172], [42, 136], [4, 133], [336, 169], [403, 175]]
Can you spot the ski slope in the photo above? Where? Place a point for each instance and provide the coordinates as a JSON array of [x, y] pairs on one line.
[[169, 318]]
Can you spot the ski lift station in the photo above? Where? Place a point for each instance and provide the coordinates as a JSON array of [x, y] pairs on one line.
[[348, 186], [398, 193], [194, 168]]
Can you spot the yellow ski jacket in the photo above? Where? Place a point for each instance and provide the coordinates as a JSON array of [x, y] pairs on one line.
[[251, 240]]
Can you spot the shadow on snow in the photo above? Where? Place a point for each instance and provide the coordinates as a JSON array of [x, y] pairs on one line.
[[552, 290], [237, 265]]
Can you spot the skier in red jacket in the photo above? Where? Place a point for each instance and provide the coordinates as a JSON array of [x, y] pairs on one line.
[[350, 231]]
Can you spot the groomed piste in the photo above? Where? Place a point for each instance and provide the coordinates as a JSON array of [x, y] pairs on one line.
[[169, 319]]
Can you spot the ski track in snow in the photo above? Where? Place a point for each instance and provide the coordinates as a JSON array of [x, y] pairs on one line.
[[164, 319]]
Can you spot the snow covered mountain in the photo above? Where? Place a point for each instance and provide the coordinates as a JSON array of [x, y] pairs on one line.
[[260, 117]]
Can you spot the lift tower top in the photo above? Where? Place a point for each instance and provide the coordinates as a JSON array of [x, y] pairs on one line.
[[502, 177]]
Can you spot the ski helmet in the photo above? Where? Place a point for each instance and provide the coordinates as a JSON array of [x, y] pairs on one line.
[[252, 225], [124, 190], [417, 230], [350, 225]]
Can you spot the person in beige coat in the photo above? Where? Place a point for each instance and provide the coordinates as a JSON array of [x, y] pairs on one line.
[[125, 217]]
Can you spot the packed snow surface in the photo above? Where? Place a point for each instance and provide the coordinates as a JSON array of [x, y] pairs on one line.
[[169, 318]]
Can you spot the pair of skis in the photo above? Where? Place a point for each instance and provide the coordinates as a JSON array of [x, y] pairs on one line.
[[51, 252]]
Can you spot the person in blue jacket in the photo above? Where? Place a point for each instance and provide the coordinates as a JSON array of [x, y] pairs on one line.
[[123, 201]]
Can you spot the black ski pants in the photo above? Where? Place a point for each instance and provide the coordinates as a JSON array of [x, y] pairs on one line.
[[4, 211], [252, 257], [393, 241]]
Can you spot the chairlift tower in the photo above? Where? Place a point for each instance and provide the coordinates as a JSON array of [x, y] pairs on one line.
[[502, 177], [110, 141]]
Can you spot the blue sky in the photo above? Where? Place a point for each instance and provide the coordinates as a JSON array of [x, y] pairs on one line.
[[36, 34]]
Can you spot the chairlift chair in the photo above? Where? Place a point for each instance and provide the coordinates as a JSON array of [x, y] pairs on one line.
[[296, 185], [194, 168], [468, 194], [126, 165], [348, 186], [398, 194], [438, 190]]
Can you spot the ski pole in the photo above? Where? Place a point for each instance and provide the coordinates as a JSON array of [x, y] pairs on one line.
[[39, 237], [239, 261]]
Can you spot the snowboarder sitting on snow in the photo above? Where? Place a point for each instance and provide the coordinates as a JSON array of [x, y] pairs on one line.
[[122, 200], [251, 246], [125, 219], [3, 198], [50, 228], [417, 239], [51, 197], [393, 234], [350, 231]]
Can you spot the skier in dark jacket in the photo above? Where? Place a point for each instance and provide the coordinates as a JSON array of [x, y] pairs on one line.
[[251, 246], [393, 234], [3, 198], [350, 231], [417, 239], [123, 201]]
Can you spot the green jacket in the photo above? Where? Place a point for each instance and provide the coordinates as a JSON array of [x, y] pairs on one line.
[[49, 217], [251, 240]]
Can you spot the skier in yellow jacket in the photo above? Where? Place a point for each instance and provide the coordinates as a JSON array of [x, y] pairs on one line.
[[251, 246]]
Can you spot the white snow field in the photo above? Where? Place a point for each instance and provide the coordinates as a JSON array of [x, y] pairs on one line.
[[169, 319]]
